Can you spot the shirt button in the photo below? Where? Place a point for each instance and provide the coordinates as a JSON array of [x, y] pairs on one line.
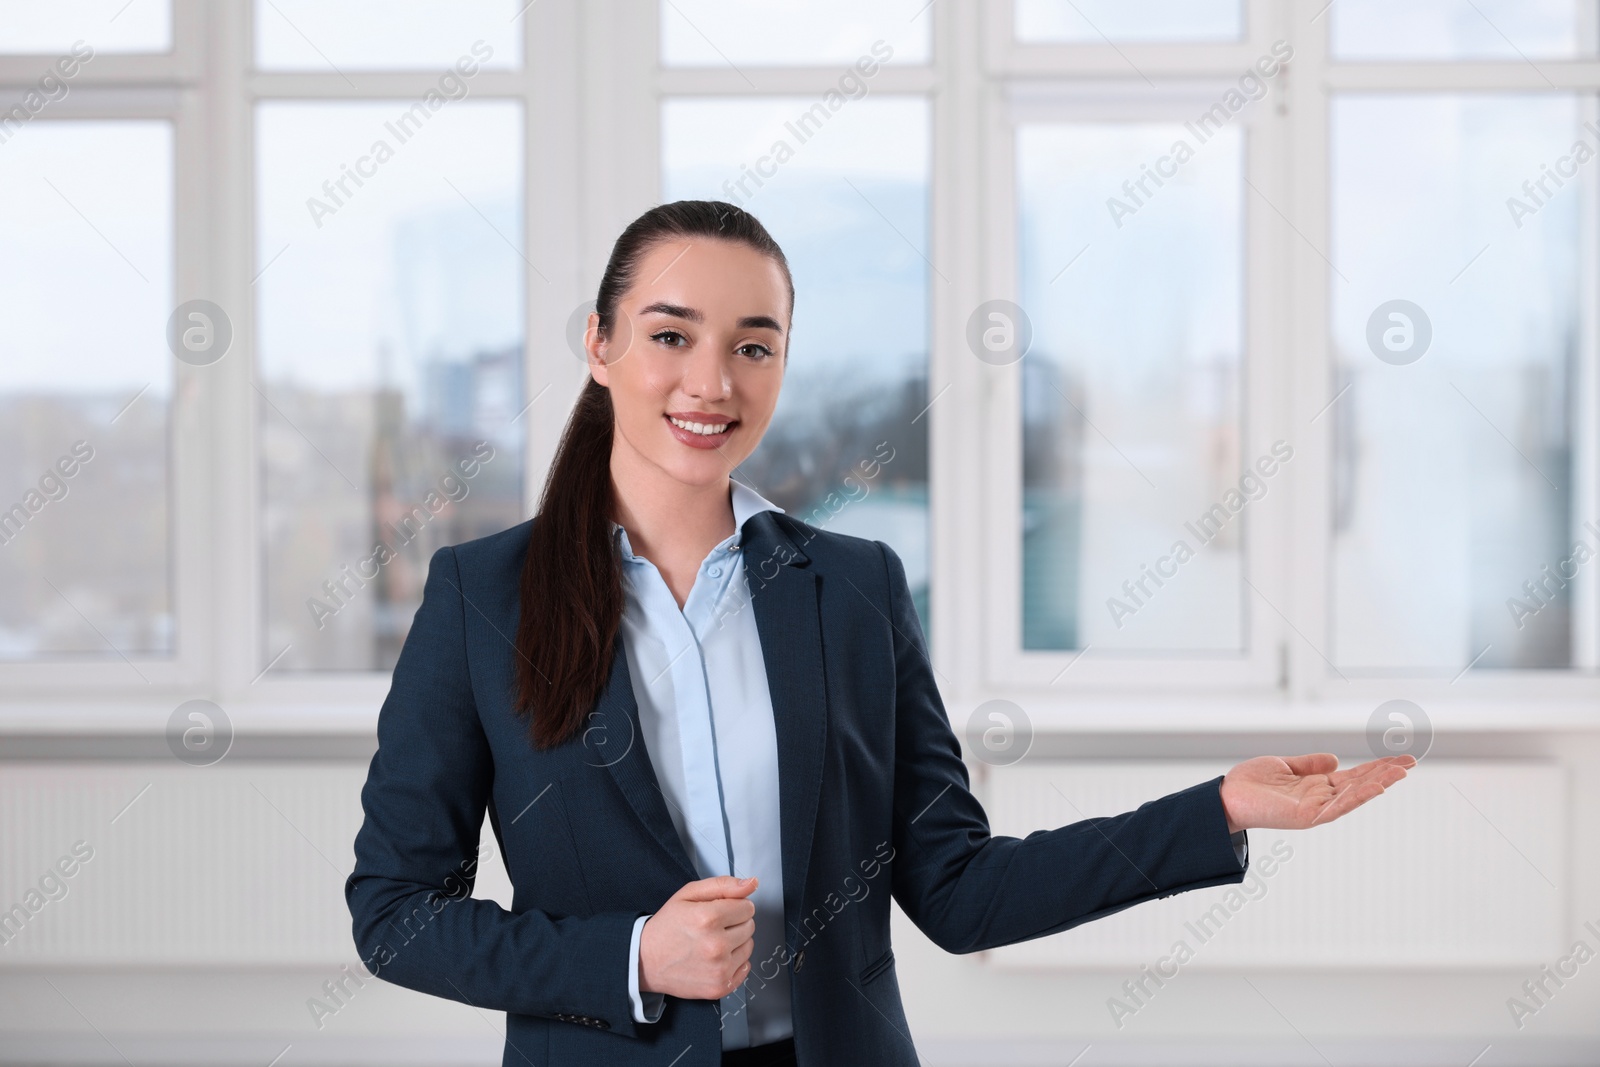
[[800, 960], [716, 572]]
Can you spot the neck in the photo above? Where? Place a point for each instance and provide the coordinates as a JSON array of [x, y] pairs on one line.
[[666, 518]]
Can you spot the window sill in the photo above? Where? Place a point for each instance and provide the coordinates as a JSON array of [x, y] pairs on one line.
[[1095, 714]]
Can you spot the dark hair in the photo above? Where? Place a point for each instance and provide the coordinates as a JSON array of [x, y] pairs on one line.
[[571, 589]]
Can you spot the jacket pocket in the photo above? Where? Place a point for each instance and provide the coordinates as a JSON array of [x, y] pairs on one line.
[[877, 966]]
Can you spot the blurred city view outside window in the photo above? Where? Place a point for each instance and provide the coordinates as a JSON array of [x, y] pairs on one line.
[[1131, 390], [86, 282], [390, 333], [1454, 472]]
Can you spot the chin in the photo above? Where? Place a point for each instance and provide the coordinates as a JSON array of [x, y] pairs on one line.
[[701, 470]]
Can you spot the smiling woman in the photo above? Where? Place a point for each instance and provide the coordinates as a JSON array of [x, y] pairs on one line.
[[705, 775], [689, 335]]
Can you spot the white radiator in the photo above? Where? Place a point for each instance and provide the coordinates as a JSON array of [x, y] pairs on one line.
[[240, 862], [245, 863], [1462, 864]]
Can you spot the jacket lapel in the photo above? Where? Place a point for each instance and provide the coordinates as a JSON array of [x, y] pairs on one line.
[[613, 740], [784, 595]]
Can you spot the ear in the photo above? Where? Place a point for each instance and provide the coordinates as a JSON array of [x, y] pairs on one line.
[[594, 349]]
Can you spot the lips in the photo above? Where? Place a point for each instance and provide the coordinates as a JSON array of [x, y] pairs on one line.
[[699, 440]]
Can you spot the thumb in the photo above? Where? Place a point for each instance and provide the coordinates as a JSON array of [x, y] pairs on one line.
[[718, 888]]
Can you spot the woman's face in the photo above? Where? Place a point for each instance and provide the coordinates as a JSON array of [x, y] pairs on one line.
[[699, 344]]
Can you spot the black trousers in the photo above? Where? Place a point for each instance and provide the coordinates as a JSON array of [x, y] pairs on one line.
[[777, 1054]]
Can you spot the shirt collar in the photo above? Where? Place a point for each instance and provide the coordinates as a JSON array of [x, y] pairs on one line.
[[746, 502]]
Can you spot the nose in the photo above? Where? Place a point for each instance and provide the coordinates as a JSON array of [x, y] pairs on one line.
[[705, 374]]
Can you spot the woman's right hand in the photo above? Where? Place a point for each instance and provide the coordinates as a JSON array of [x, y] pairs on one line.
[[698, 945]]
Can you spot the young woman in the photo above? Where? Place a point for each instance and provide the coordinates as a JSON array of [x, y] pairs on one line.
[[708, 737]]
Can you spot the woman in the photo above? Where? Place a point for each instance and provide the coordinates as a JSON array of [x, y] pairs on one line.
[[708, 736]]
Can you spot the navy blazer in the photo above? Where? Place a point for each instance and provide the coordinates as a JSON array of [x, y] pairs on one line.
[[874, 801]]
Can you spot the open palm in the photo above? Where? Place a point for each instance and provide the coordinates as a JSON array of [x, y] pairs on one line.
[[1297, 792]]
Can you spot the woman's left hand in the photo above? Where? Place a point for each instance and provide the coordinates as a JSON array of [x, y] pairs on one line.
[[1298, 792]]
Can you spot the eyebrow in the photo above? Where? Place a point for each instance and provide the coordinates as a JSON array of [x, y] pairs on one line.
[[748, 322]]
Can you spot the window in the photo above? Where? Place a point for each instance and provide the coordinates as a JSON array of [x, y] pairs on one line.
[[1307, 407], [86, 391], [1455, 479], [826, 33], [385, 34], [1512, 30], [389, 361], [108, 26], [1130, 400], [1206, 363], [1095, 21]]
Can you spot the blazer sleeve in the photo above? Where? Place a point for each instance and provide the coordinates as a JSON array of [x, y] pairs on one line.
[[415, 921], [968, 890]]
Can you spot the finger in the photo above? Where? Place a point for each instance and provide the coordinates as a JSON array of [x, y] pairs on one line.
[[731, 911], [1351, 774], [743, 950], [745, 931], [1313, 763], [718, 888], [1383, 764]]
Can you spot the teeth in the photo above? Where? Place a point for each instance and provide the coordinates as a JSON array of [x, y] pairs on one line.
[[699, 427]]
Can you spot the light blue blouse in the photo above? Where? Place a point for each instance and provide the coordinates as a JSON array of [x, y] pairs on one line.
[[705, 716]]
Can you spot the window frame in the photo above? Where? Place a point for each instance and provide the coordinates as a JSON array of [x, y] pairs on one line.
[[603, 86], [1289, 360]]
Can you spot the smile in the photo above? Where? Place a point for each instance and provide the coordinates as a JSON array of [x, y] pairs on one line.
[[701, 428], [703, 435]]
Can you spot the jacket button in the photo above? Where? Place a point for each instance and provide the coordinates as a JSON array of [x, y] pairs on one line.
[[800, 960]]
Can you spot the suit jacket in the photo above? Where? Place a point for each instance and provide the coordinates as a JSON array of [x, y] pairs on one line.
[[874, 801]]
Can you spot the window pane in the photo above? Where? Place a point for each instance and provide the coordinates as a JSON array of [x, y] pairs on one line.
[[104, 25], [1453, 480], [1130, 391], [390, 354], [1097, 21], [1462, 29], [388, 35], [85, 385], [721, 33], [846, 449]]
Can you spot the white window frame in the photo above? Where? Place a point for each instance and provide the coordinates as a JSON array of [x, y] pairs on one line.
[[591, 81], [1283, 679]]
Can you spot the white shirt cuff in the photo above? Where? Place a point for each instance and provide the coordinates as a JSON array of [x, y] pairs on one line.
[[655, 1001], [1241, 847]]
